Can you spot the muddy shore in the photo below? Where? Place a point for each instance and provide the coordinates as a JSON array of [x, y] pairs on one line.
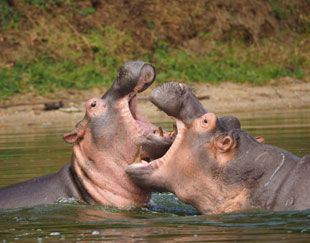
[[226, 98]]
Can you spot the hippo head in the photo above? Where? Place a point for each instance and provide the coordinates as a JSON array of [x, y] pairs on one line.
[[111, 135], [194, 166]]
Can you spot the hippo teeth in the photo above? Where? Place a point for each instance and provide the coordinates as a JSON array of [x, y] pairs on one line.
[[139, 156], [174, 130], [160, 131]]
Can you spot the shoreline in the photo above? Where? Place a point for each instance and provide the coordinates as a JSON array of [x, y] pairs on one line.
[[225, 98]]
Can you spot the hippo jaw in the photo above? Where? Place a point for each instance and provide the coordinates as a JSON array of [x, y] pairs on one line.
[[154, 141], [178, 101], [154, 175]]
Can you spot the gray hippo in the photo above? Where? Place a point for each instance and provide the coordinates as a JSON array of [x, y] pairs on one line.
[[218, 169], [105, 142]]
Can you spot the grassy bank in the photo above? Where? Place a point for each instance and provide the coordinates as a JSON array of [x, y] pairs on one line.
[[56, 50], [234, 63]]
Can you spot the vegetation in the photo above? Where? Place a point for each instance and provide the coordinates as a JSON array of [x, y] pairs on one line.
[[63, 44]]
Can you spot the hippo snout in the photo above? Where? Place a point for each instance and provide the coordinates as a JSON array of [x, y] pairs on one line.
[[177, 100]]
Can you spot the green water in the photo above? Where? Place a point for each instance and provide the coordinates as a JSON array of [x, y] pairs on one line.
[[39, 150]]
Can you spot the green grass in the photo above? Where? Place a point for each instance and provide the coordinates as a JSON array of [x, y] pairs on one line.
[[46, 75], [216, 66], [9, 18], [43, 77], [88, 11], [282, 9], [64, 58]]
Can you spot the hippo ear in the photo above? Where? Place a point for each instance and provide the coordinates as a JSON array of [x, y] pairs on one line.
[[71, 137], [77, 132], [260, 139], [224, 144]]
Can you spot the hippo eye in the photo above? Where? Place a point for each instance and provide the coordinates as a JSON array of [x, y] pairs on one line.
[[93, 104], [205, 120]]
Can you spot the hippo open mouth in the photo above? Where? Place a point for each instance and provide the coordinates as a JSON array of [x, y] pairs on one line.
[[157, 140], [177, 101], [134, 78], [152, 131]]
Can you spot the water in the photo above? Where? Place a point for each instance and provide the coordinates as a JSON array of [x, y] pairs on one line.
[[37, 150]]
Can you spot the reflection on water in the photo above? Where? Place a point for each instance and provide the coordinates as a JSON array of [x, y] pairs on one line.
[[289, 130], [35, 151], [86, 223]]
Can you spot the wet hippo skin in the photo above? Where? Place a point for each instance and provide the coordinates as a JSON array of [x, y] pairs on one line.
[[105, 142], [219, 168]]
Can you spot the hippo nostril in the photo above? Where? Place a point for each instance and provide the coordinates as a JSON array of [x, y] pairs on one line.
[[93, 104]]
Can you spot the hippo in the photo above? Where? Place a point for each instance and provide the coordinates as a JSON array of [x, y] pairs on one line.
[[112, 134], [220, 169]]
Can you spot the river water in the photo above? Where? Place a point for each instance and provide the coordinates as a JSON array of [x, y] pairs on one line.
[[39, 150]]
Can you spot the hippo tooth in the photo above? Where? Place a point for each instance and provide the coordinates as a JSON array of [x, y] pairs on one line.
[[161, 132], [174, 131], [139, 157]]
